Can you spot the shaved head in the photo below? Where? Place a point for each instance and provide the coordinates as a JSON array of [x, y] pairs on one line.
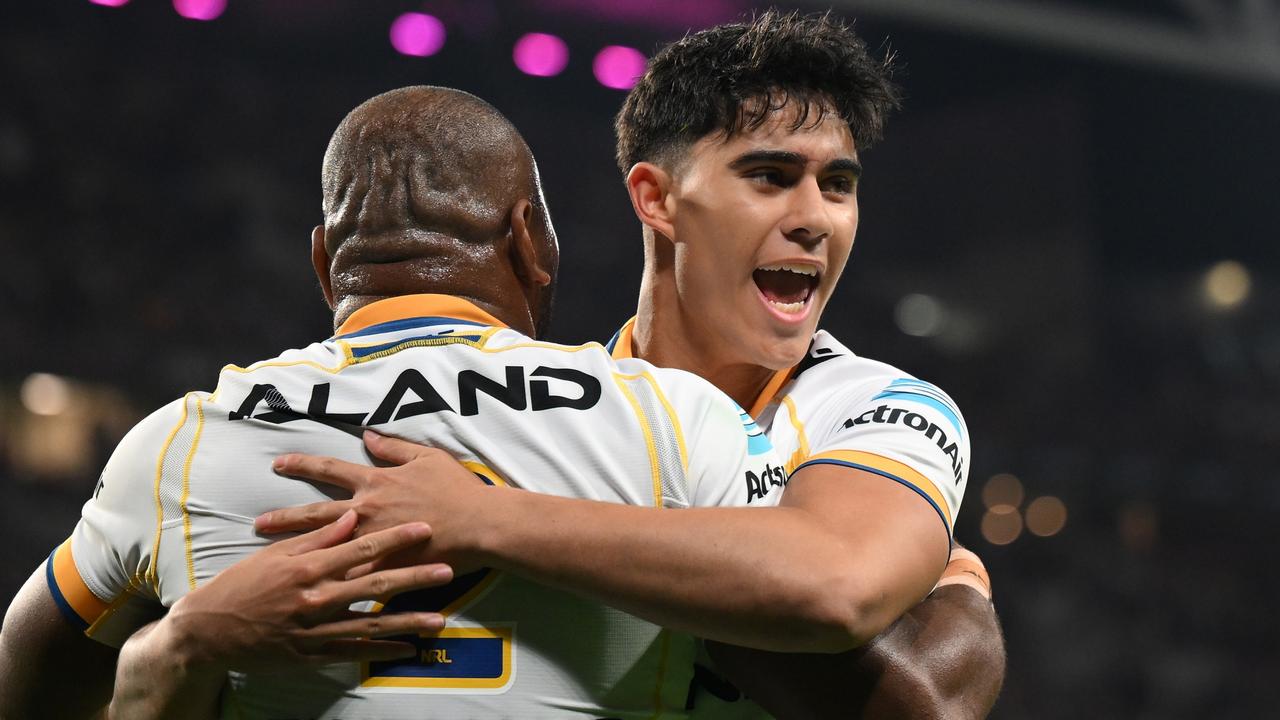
[[420, 185]]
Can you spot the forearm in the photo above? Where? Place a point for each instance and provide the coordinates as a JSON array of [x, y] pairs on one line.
[[157, 678], [943, 659], [766, 578]]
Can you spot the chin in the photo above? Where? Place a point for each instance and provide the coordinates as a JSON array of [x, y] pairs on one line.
[[782, 353]]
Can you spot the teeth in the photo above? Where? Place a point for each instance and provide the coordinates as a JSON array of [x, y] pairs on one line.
[[809, 270], [789, 308]]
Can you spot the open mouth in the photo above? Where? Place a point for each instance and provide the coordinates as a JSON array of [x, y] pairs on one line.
[[787, 287]]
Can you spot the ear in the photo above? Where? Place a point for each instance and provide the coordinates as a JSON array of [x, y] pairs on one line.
[[524, 253], [650, 188], [320, 261]]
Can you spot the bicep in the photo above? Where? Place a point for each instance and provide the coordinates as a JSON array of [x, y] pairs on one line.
[[891, 542], [48, 668]]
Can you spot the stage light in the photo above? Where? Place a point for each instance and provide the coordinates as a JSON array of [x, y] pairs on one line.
[[200, 9], [618, 67], [1001, 525], [45, 394], [1046, 516], [540, 54], [1002, 489], [920, 315], [1227, 284], [110, 3], [417, 34]]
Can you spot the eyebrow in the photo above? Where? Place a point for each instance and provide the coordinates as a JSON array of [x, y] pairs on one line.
[[786, 157]]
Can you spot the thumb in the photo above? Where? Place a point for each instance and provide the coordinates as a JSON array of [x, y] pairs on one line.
[[393, 450]]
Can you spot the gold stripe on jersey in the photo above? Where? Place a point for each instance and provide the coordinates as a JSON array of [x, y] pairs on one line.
[[802, 440], [674, 418], [894, 468], [770, 391], [654, 469], [153, 565], [130, 592], [664, 638], [186, 494]]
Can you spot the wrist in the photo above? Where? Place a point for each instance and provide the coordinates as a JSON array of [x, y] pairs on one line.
[[183, 643], [486, 535]]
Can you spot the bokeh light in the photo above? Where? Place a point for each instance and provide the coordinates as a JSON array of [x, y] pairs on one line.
[[1227, 284], [618, 67], [920, 315], [110, 3], [417, 34], [1002, 489], [200, 9], [1001, 525], [1046, 516], [45, 394], [540, 54]]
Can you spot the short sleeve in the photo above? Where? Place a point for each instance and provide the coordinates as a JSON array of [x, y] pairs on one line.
[[731, 461], [99, 577], [903, 429]]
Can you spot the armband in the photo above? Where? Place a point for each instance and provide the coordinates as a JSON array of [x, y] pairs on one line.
[[965, 568]]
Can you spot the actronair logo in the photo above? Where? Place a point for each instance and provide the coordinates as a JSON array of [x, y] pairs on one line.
[[885, 415]]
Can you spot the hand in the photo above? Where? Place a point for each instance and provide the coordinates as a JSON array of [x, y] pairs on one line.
[[427, 485], [288, 603]]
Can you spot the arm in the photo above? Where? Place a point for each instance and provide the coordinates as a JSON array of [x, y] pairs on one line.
[[944, 659], [845, 554], [284, 606], [36, 644]]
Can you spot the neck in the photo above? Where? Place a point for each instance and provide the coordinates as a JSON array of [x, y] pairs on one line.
[[668, 336]]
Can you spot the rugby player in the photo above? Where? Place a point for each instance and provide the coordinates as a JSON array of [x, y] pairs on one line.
[[740, 147], [426, 190]]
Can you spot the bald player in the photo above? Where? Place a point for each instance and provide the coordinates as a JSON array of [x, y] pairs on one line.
[[438, 258], [740, 147]]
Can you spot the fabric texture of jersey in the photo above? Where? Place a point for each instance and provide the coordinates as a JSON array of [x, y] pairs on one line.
[[177, 500], [837, 408]]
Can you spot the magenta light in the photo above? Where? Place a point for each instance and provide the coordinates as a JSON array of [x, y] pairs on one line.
[[541, 54], [417, 34], [110, 3], [200, 9], [618, 67]]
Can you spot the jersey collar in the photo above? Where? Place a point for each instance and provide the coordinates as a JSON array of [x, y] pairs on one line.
[[621, 347], [414, 306]]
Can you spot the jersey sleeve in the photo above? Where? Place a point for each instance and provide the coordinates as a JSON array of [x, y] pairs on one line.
[[903, 429], [99, 576], [731, 461]]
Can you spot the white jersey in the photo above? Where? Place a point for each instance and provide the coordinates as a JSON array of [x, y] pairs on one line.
[[837, 408], [177, 500]]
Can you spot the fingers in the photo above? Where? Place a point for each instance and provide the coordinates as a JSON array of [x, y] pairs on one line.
[[385, 583], [322, 469], [393, 450], [372, 625], [371, 547], [303, 517], [335, 532]]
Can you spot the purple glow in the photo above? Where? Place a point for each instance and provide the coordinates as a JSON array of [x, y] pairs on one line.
[[618, 67], [541, 54], [417, 34], [200, 9], [110, 3]]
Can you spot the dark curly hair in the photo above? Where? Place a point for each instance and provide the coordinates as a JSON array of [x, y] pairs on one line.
[[732, 78]]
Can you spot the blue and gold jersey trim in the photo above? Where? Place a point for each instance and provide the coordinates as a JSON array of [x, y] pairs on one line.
[[889, 468], [74, 599], [411, 311]]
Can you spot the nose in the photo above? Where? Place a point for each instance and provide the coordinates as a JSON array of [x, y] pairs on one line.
[[808, 220]]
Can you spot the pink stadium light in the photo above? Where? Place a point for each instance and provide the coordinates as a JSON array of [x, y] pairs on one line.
[[541, 54], [200, 9], [417, 34], [618, 67], [110, 3]]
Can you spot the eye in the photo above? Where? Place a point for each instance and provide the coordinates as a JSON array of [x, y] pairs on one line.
[[767, 176], [839, 184]]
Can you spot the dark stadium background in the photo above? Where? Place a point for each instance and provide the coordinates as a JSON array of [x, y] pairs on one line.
[[1049, 216]]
